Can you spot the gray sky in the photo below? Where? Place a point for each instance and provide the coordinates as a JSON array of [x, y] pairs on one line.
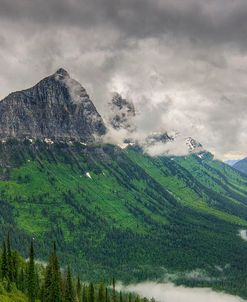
[[182, 62]]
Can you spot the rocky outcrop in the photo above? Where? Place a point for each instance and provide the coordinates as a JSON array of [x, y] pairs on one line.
[[121, 113], [58, 108], [159, 137], [193, 145]]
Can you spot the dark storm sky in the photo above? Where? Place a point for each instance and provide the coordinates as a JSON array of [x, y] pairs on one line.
[[183, 63]]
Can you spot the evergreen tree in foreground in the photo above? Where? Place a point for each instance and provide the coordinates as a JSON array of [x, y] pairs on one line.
[[10, 271], [84, 294], [91, 293], [114, 298], [52, 284], [106, 295], [31, 282], [69, 290], [78, 290], [4, 264], [27, 277], [101, 293], [120, 297]]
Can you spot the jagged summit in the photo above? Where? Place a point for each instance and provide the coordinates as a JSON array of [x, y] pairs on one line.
[[193, 145], [62, 72], [57, 108], [121, 113]]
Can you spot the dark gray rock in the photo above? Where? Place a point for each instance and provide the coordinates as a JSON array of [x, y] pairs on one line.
[[58, 108], [155, 138], [121, 113]]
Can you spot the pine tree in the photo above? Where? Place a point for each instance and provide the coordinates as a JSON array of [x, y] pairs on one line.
[[47, 294], [120, 297], [31, 280], [21, 281], [101, 294], [56, 277], [9, 260], [15, 266], [4, 262], [114, 298], [84, 294], [69, 291], [42, 291], [106, 295], [52, 284], [78, 290], [91, 293], [37, 282]]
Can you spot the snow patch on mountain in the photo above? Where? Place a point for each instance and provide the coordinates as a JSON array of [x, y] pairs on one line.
[[88, 175], [243, 234]]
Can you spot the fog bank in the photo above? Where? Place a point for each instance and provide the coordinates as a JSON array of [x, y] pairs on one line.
[[168, 292]]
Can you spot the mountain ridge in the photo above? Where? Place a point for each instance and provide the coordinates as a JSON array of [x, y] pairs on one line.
[[241, 165], [56, 108]]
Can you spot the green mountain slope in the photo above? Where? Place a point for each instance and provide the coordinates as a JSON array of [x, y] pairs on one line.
[[123, 213]]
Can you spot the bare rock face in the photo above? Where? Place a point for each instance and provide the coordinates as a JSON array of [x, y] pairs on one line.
[[58, 108], [159, 137], [193, 145], [121, 113]]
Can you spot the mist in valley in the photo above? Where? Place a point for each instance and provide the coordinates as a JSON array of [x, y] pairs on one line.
[[168, 292]]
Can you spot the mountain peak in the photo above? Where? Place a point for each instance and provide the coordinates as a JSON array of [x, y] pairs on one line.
[[58, 108], [62, 73]]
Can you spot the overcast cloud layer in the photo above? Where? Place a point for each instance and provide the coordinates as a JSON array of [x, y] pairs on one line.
[[183, 63]]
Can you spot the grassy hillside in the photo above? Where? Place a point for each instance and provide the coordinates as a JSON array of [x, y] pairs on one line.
[[122, 213]]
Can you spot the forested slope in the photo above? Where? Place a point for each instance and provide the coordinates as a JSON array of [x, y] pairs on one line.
[[121, 213], [25, 280]]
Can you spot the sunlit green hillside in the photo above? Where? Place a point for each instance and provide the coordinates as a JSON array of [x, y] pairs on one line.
[[122, 213]]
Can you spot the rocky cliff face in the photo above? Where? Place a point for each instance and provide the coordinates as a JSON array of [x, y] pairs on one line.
[[121, 113], [57, 108], [193, 145]]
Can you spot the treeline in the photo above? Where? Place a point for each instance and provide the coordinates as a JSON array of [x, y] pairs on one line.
[[50, 283]]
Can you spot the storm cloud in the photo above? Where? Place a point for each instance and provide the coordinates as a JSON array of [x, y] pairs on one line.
[[182, 63]]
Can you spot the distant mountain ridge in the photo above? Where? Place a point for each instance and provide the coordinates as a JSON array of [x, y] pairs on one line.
[[122, 116], [241, 165], [231, 162], [57, 108]]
